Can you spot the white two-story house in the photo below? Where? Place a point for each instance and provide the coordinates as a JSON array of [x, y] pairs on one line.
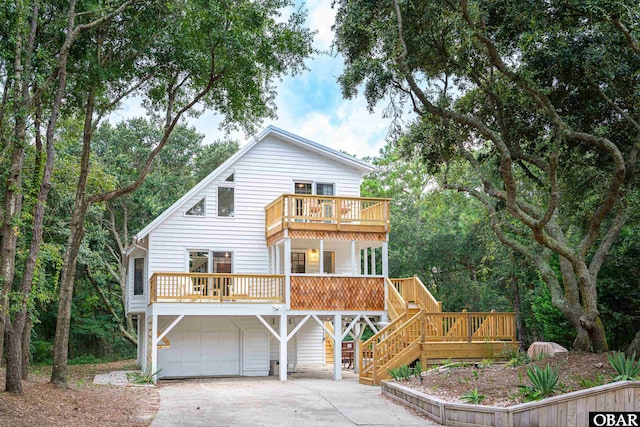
[[243, 271]]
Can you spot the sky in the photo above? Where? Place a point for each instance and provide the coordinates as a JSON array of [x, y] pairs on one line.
[[311, 104]]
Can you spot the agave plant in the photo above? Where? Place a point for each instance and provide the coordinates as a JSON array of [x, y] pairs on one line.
[[544, 383], [473, 397], [627, 368]]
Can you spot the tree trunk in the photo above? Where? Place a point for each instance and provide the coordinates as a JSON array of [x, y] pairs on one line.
[[13, 352], [634, 347], [63, 323], [26, 347]]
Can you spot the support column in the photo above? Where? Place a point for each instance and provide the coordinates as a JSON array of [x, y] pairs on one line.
[[287, 271], [356, 347], [337, 347], [283, 347], [354, 271], [373, 261], [385, 259], [277, 270], [154, 344], [321, 257], [366, 261]]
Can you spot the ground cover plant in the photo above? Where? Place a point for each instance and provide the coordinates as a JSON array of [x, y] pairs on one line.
[[502, 382]]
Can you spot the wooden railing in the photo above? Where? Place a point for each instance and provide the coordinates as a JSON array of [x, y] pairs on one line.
[[396, 305], [470, 326], [387, 344], [298, 209], [250, 288], [413, 290]]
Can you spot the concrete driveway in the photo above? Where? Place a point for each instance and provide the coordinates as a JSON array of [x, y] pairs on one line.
[[309, 398]]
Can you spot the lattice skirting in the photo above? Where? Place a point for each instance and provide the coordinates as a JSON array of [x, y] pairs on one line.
[[337, 293]]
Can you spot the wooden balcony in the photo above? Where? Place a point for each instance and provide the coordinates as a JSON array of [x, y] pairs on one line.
[[204, 287], [327, 214], [321, 292]]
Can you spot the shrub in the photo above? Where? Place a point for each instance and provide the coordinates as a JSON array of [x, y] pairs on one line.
[[400, 373], [145, 377], [544, 383], [473, 397], [627, 368]]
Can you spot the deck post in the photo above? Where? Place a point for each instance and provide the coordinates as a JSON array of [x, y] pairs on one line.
[[366, 261], [356, 347], [321, 257], [277, 266], [287, 270], [385, 259], [354, 271], [283, 346], [154, 345], [337, 347], [373, 261]]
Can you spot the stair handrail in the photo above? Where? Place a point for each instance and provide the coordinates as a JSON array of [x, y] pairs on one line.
[[424, 299], [396, 305], [386, 350]]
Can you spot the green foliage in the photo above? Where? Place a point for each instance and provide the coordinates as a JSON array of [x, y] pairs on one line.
[[145, 377], [588, 383], [400, 373], [473, 397], [516, 358], [544, 383], [628, 368], [486, 363], [416, 370]]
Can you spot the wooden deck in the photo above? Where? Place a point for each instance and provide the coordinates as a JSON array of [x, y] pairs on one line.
[[327, 214], [204, 287], [421, 331], [307, 292]]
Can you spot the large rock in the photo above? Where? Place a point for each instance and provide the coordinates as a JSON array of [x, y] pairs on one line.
[[548, 348]]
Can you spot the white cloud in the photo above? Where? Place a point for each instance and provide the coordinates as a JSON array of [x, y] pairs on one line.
[[321, 18]]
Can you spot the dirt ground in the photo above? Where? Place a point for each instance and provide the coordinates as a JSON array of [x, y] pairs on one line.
[[499, 382], [81, 403]]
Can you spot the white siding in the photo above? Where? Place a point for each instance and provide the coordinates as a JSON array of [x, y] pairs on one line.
[[255, 347], [310, 344], [261, 175]]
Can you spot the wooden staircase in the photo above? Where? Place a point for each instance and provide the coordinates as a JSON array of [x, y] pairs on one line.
[[419, 329]]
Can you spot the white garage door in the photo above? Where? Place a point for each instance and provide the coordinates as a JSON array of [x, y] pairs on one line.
[[200, 346]]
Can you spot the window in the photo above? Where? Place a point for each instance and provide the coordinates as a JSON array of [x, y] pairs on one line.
[[328, 260], [138, 276], [221, 262], [324, 189], [298, 262], [197, 209], [302, 188], [231, 178], [226, 199], [198, 262]]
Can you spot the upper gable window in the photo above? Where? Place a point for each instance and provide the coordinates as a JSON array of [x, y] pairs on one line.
[[226, 201], [231, 178], [197, 209]]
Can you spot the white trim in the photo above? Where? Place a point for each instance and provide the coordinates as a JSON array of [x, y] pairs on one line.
[[298, 326], [268, 326], [166, 331], [360, 165]]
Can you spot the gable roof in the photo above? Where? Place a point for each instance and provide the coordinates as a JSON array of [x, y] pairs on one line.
[[281, 134]]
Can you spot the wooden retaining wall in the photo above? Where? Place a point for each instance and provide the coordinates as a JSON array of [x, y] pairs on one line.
[[571, 409]]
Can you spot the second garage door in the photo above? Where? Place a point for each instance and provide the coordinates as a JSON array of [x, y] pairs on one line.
[[200, 346]]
